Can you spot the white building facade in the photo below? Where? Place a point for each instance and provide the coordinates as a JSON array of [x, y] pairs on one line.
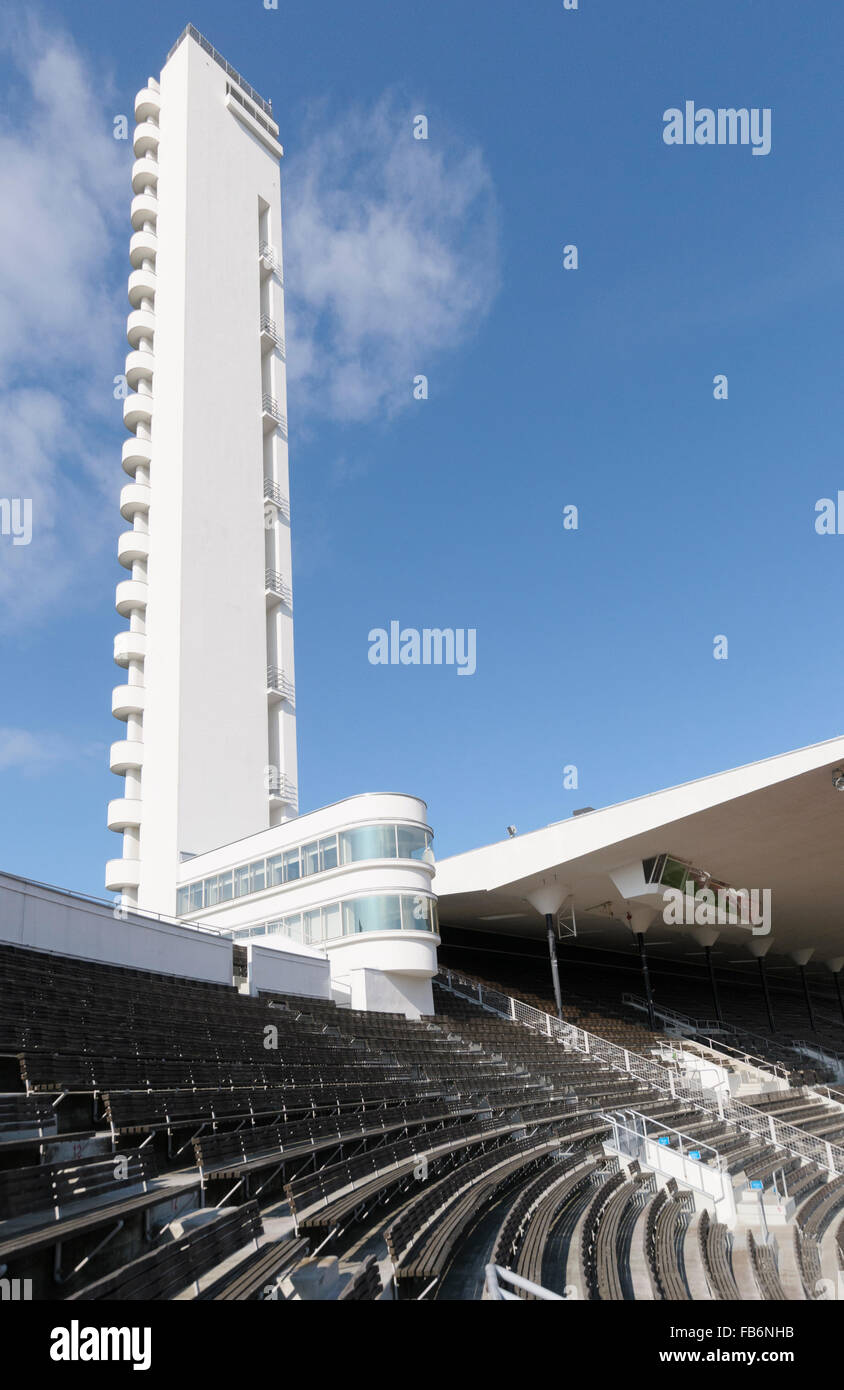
[[209, 751], [353, 881], [209, 810]]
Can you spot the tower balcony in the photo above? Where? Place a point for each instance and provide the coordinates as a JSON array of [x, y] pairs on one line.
[[130, 596], [127, 700], [144, 208], [147, 105], [132, 546], [135, 453], [274, 494], [282, 792], [140, 366], [134, 498], [126, 755], [140, 323], [144, 174], [143, 246], [271, 335], [124, 813], [129, 646], [272, 416], [137, 409], [142, 285], [279, 686], [276, 589], [269, 261], [122, 873], [147, 139]]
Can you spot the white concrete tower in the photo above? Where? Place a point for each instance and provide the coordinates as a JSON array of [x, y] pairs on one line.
[[209, 753]]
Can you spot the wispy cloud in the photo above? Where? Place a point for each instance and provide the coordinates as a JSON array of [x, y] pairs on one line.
[[33, 753], [65, 198], [392, 255]]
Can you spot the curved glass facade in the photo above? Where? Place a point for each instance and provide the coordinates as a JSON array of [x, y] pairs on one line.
[[313, 857], [375, 912]]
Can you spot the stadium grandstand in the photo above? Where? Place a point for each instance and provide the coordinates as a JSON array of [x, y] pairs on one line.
[[295, 1059]]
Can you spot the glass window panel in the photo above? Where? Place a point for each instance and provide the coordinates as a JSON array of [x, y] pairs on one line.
[[416, 912], [310, 858], [292, 867], [258, 875], [328, 852], [368, 842], [375, 913], [182, 902], [674, 874], [241, 881], [197, 895], [312, 926], [411, 841], [212, 891], [226, 887], [274, 871], [292, 926], [331, 921]]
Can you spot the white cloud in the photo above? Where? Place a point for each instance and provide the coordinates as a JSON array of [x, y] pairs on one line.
[[66, 195], [392, 258], [35, 753]]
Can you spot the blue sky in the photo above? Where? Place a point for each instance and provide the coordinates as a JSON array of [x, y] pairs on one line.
[[546, 388]]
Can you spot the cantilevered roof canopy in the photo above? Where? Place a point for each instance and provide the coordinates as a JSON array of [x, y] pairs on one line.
[[776, 824]]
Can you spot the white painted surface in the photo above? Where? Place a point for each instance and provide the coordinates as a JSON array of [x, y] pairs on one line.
[[285, 968], [208, 731], [375, 991], [367, 808], [46, 919]]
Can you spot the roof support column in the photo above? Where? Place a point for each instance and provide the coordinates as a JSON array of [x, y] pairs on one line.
[[640, 919], [801, 959], [552, 953], [548, 898], [835, 965], [707, 938], [760, 949]]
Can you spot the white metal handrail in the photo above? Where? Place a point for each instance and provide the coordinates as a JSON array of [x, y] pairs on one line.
[[275, 583], [710, 1025], [764, 1127], [778, 1069], [496, 1276], [644, 1129]]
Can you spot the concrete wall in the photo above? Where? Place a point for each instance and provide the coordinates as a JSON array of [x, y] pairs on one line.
[[388, 994], [46, 919], [285, 969], [206, 727]]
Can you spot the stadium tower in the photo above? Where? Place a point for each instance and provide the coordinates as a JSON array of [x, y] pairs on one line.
[[209, 751]]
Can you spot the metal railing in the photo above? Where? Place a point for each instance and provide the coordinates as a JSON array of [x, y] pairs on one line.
[[746, 1061], [274, 494], [707, 1025], [279, 683], [282, 789], [267, 254], [269, 126], [641, 1129], [127, 913], [271, 407], [270, 328], [496, 1277], [191, 31], [275, 583], [778, 1069], [766, 1128]]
